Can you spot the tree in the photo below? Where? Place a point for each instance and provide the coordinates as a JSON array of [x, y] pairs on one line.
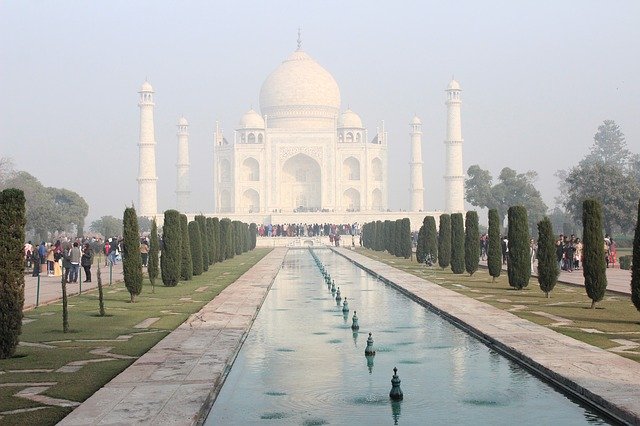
[[406, 245], [431, 237], [471, 242], [397, 238], [237, 234], [494, 252], [144, 224], [547, 262], [512, 189], [226, 239], [206, 244], [609, 174], [421, 250], [253, 232], [220, 253], [186, 263], [154, 248], [519, 264], [170, 259], [12, 224], [444, 241], [457, 243], [594, 267], [635, 266], [108, 226], [100, 293], [212, 237], [196, 248], [131, 261]]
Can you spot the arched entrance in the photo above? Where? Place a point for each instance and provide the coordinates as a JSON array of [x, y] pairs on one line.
[[251, 201], [351, 200], [301, 187]]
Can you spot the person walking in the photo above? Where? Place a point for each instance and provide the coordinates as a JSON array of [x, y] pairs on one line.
[[144, 252], [74, 258], [86, 261]]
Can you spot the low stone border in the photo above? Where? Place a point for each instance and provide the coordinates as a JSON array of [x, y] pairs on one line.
[[602, 379], [177, 381]]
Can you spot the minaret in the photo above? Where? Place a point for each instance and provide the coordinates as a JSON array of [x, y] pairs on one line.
[[147, 179], [182, 167], [454, 175], [416, 186]]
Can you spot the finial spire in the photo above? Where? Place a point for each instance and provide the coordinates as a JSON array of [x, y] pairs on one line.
[[299, 38]]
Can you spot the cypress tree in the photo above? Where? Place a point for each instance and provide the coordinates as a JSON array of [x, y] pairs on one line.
[[471, 242], [547, 262], [457, 243], [253, 232], [379, 233], [635, 266], [519, 264], [397, 238], [444, 241], [431, 238], [131, 261], [225, 239], [388, 232], [217, 230], [406, 244], [100, 292], [238, 233], [12, 223], [421, 251], [154, 248], [196, 248], [494, 251], [186, 263], [204, 238], [171, 257], [212, 239], [594, 267]]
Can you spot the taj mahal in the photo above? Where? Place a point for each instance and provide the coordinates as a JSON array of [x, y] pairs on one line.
[[301, 159]]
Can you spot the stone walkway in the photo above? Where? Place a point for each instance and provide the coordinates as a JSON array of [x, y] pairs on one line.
[[51, 289], [605, 379], [178, 379]]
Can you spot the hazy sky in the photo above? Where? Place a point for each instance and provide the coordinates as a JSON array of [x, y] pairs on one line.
[[537, 78]]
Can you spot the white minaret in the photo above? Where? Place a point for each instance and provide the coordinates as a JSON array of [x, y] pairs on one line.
[[182, 167], [454, 175], [416, 186], [147, 179]]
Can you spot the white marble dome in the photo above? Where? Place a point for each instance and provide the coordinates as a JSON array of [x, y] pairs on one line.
[[453, 85], [416, 120], [183, 122], [300, 93], [251, 120], [349, 119], [146, 87]]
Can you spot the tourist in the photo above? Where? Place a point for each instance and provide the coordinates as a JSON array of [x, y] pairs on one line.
[[613, 253], [86, 261], [578, 253], [144, 252], [74, 258], [50, 260], [107, 249], [28, 249]]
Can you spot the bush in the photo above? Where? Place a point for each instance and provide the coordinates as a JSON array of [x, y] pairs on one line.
[[625, 262], [217, 231], [204, 238], [594, 267], [494, 251], [547, 261], [406, 245], [431, 237], [186, 262], [226, 239], [421, 250], [253, 234], [171, 257], [457, 243], [519, 264], [131, 261], [12, 223], [195, 243], [444, 241], [154, 248], [471, 242]]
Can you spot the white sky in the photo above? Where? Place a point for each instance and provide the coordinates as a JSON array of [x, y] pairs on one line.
[[537, 77]]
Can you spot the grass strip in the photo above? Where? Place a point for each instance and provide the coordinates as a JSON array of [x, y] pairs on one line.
[[567, 311], [92, 333]]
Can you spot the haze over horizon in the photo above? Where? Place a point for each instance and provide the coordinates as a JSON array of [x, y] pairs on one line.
[[537, 82]]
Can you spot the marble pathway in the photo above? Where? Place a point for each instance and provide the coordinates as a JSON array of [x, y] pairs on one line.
[[178, 379], [606, 379]]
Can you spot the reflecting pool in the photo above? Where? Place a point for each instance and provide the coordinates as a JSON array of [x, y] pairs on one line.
[[302, 364]]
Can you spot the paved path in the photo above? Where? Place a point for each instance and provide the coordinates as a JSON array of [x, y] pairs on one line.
[[618, 280], [607, 380], [178, 379], [51, 289]]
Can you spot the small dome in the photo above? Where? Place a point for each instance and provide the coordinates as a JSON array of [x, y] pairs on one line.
[[349, 119], [251, 120], [183, 122], [146, 87], [416, 120], [454, 85]]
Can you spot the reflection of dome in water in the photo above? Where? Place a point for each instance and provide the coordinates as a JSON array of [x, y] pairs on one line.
[[251, 120], [300, 93]]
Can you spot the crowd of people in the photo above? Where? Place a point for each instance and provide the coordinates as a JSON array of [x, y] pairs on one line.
[[307, 230]]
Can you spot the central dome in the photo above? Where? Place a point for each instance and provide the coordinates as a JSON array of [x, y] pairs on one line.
[[300, 94]]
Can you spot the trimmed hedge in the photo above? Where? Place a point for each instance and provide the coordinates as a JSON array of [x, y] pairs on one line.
[[131, 261], [171, 257]]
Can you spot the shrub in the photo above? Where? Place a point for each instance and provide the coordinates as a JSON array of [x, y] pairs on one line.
[[421, 250], [154, 248], [220, 253], [547, 261], [131, 261], [406, 245], [471, 242], [204, 239], [171, 257], [195, 243], [457, 243], [444, 241], [494, 251], [12, 223], [186, 262], [253, 233], [519, 264], [431, 237], [594, 267]]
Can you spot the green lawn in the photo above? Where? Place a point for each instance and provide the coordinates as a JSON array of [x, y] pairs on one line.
[[90, 332], [614, 318]]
